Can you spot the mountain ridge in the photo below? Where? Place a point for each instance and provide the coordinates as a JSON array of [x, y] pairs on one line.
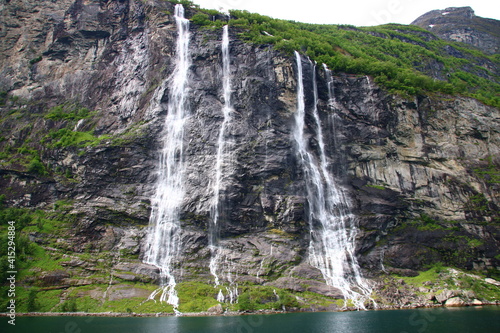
[[460, 24]]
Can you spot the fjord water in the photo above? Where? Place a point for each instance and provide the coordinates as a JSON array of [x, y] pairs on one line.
[[164, 236], [331, 223], [438, 320]]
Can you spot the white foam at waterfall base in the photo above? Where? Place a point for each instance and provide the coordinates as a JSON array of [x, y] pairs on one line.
[[164, 236], [332, 225]]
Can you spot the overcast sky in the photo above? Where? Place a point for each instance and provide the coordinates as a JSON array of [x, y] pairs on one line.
[[355, 12]]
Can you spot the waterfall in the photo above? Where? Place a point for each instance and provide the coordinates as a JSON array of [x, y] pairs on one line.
[[226, 110], [332, 105], [223, 158], [164, 237], [329, 83], [332, 225]]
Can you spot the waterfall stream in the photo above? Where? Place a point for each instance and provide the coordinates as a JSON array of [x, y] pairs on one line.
[[164, 237], [332, 225], [329, 83], [226, 110], [222, 169]]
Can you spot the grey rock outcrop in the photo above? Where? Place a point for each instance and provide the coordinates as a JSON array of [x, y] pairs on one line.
[[460, 24], [455, 301]]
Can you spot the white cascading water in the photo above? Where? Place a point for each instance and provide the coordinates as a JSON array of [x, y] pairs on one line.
[[164, 237], [332, 226], [332, 104], [329, 83], [223, 158]]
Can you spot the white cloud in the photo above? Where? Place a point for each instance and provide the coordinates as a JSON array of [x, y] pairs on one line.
[[356, 12]]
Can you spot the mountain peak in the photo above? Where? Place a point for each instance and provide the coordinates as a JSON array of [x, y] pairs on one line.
[[460, 24], [445, 15]]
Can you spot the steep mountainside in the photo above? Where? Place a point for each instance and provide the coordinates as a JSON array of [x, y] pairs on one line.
[[460, 24], [86, 90]]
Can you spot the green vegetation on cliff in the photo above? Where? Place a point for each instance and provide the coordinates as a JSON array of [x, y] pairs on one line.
[[405, 59]]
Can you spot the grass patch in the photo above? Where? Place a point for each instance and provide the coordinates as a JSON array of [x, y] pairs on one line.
[[474, 243], [427, 223], [265, 298], [32, 259], [36, 166], [32, 299], [68, 138], [68, 111], [196, 296], [63, 205], [25, 157], [431, 274], [444, 278], [308, 298], [131, 305], [48, 299]]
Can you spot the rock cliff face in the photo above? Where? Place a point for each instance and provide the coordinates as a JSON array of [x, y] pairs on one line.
[[460, 24], [421, 173]]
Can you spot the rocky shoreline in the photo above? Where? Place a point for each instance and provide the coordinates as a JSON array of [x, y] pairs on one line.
[[231, 313]]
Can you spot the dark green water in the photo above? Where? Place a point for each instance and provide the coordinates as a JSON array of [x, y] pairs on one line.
[[456, 320]]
